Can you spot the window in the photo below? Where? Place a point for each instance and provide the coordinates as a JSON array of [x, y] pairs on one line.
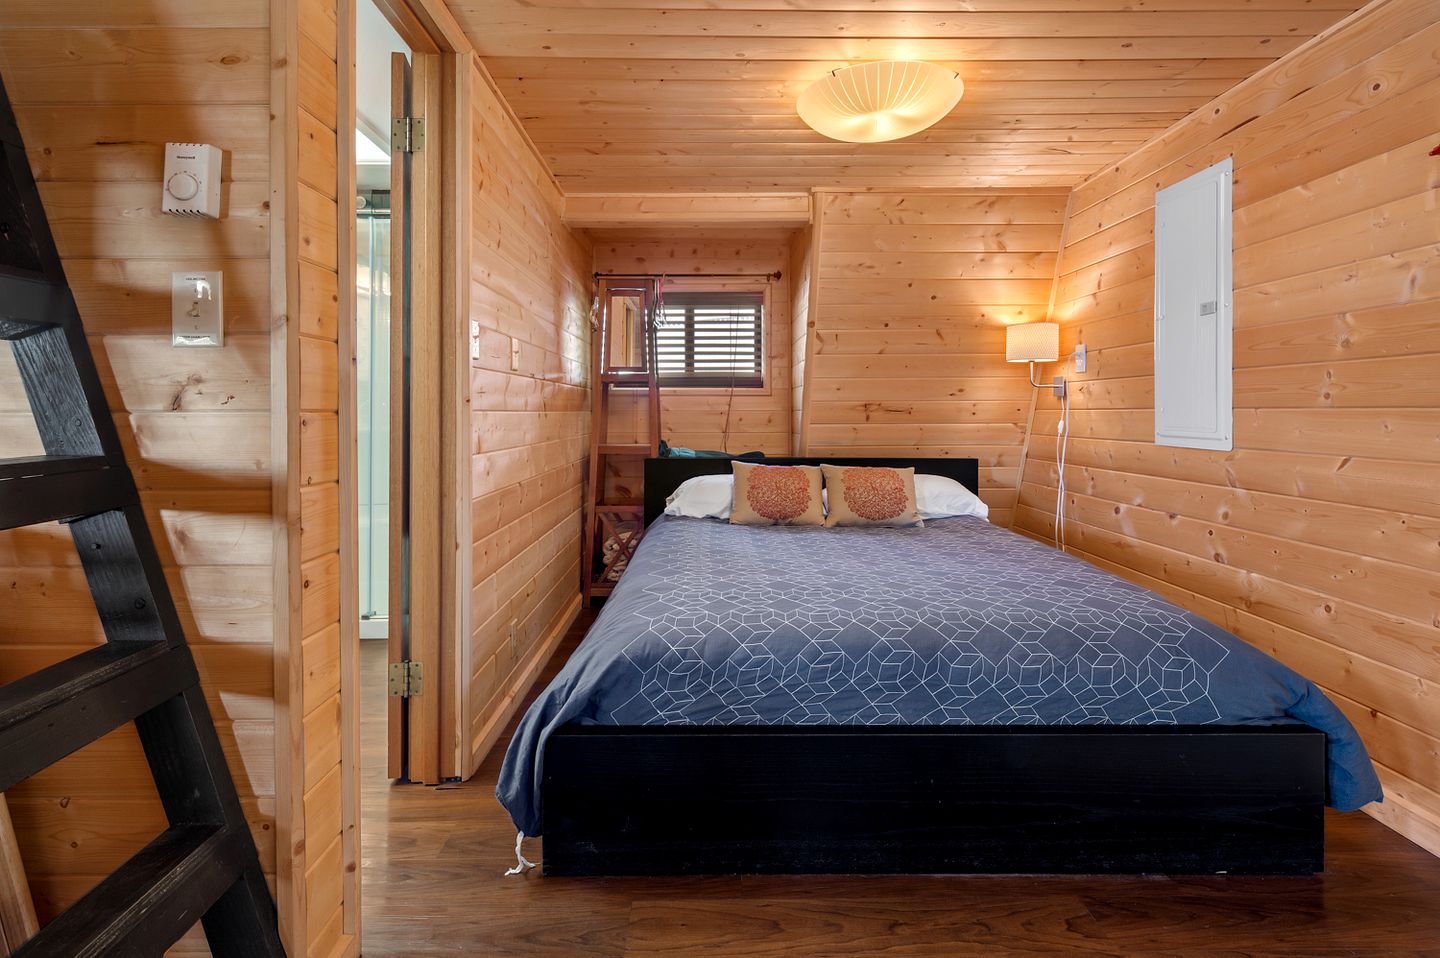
[[711, 339]]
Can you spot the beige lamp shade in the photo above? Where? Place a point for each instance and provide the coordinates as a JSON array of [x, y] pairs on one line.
[[875, 102], [1032, 343]]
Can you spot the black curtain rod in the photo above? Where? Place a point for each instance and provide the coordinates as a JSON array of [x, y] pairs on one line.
[[775, 275]]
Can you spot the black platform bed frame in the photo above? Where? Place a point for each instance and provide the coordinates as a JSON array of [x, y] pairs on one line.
[[658, 800]]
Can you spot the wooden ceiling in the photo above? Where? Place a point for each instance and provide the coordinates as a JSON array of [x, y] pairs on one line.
[[699, 95]]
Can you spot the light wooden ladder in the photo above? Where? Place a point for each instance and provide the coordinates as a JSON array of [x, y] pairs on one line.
[[620, 521]]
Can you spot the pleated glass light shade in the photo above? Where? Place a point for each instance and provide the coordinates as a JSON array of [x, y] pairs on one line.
[[1032, 343], [875, 102]]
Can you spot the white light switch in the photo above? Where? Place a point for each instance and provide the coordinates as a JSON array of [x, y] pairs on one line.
[[514, 354], [474, 339], [197, 309]]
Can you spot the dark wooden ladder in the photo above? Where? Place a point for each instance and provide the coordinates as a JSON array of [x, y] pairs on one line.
[[203, 866]]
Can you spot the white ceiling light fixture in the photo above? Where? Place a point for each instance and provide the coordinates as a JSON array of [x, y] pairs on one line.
[[876, 102]]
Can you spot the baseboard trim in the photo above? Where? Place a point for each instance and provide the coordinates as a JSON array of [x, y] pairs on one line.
[[520, 680], [1400, 812]]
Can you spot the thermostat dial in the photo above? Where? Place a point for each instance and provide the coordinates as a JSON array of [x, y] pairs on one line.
[[183, 185]]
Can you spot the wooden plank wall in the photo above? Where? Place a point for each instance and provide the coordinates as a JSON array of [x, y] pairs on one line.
[[907, 343], [319, 893], [99, 88], [530, 398], [748, 419], [1316, 538]]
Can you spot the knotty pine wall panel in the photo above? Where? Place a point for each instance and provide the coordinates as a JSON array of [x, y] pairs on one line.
[[907, 326], [322, 902], [530, 291], [97, 96], [739, 420], [1316, 537]]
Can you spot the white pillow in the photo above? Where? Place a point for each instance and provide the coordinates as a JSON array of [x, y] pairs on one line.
[[937, 497], [704, 497], [712, 497]]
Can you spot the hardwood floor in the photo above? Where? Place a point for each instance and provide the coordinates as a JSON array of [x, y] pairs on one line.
[[434, 884]]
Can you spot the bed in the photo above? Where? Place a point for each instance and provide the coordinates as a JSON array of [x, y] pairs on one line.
[[956, 698]]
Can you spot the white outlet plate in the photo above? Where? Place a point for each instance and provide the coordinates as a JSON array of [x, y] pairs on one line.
[[1080, 358]]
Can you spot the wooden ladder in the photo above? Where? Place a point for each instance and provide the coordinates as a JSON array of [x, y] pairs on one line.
[[204, 865], [622, 521]]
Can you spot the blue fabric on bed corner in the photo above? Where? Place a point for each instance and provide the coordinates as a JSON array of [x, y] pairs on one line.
[[959, 622]]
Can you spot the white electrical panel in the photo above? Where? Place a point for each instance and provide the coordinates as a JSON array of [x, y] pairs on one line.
[[192, 180], [1193, 312], [197, 309]]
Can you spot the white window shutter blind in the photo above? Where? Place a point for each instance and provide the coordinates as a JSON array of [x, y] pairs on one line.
[[711, 339]]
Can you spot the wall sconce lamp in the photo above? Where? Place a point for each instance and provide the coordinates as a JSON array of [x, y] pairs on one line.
[[1040, 343], [1035, 343]]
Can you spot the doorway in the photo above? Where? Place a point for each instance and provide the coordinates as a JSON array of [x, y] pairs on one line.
[[411, 165], [382, 292], [376, 43], [372, 376]]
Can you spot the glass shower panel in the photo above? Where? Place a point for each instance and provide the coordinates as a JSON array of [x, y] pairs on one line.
[[372, 353]]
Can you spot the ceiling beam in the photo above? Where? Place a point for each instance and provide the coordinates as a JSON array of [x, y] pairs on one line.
[[613, 210]]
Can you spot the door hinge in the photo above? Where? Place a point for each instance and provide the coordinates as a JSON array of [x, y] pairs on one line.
[[407, 134], [406, 679]]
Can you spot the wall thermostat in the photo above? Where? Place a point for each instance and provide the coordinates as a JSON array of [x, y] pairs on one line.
[[192, 180]]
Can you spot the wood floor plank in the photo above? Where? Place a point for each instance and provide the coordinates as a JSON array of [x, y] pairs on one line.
[[931, 926]]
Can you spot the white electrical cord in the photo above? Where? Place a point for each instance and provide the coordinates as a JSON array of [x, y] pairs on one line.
[[521, 862], [1064, 434]]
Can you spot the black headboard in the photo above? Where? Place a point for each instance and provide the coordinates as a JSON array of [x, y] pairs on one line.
[[663, 476]]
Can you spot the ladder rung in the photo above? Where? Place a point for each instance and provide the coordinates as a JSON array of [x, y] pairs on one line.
[[48, 494], [13, 329], [48, 466], [629, 379], [150, 901], [619, 509], [48, 714], [626, 449], [29, 305]]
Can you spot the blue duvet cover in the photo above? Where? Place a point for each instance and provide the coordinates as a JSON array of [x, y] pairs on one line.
[[958, 622]]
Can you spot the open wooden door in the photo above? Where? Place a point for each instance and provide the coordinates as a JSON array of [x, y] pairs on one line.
[[417, 672]]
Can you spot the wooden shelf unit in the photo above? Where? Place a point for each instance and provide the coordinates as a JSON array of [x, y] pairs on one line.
[[620, 521]]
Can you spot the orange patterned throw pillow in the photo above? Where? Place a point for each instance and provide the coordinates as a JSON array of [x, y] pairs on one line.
[[776, 495], [870, 496]]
